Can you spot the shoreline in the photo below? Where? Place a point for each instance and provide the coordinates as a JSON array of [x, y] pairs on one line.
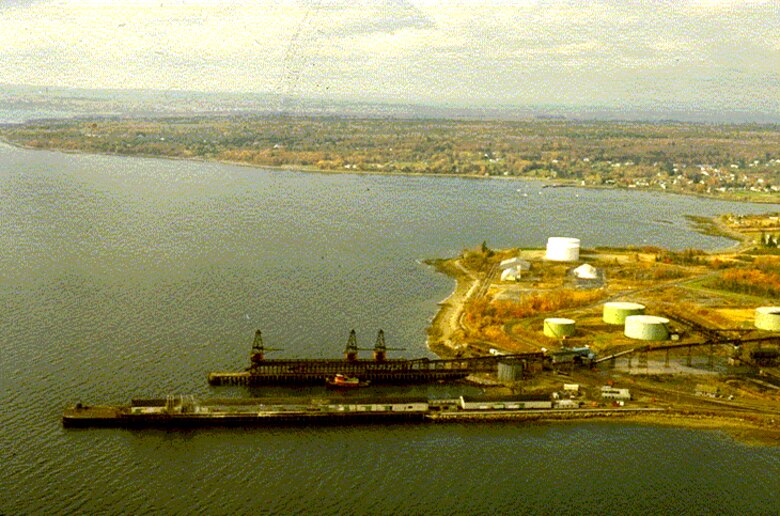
[[755, 431], [310, 169], [446, 322]]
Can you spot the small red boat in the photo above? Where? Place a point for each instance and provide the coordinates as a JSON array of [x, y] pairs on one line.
[[341, 381]]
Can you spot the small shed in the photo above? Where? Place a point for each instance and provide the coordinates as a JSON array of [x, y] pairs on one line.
[[586, 271], [511, 274], [515, 263]]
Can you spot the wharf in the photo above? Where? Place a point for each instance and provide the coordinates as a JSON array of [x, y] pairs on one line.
[[184, 411], [380, 370], [314, 371]]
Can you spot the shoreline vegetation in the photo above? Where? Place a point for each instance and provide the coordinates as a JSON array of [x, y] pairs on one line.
[[730, 162], [478, 318]]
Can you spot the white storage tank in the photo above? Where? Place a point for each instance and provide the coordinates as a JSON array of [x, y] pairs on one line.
[[615, 312], [768, 318], [646, 327], [558, 327], [563, 249]]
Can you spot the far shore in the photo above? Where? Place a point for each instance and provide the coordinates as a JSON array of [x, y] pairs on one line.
[[547, 182]]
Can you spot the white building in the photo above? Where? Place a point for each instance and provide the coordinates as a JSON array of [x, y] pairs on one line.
[[611, 393], [515, 263], [566, 404], [511, 274], [586, 271]]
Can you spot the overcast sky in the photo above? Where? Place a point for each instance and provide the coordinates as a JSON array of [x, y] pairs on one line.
[[704, 54]]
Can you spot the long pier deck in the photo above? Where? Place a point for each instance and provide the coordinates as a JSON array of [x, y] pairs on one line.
[[186, 412]]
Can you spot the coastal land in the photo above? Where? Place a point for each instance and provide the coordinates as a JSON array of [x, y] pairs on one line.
[[711, 376], [736, 162]]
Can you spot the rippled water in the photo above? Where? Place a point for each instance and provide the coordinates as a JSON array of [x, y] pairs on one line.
[[135, 277]]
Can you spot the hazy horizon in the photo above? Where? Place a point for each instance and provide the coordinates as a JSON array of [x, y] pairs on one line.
[[716, 60]]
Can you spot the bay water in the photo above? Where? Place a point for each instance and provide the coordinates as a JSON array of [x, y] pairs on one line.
[[133, 277]]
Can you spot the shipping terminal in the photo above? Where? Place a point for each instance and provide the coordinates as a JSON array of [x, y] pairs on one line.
[[379, 370]]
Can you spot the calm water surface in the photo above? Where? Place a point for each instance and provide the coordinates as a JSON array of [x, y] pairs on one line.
[[128, 277]]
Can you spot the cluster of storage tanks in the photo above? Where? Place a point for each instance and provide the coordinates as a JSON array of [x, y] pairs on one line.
[[636, 324], [632, 316]]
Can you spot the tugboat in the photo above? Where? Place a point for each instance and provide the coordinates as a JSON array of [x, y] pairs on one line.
[[341, 381]]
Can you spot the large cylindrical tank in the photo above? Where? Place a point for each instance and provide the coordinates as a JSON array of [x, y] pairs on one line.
[[768, 318], [563, 249], [558, 327], [615, 312], [646, 327]]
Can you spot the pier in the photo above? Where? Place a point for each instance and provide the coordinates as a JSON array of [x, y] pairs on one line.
[[379, 370], [187, 412], [315, 371]]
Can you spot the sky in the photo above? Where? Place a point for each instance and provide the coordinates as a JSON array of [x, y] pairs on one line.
[[616, 54]]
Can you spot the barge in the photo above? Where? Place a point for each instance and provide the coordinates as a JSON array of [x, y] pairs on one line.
[[379, 370], [186, 411]]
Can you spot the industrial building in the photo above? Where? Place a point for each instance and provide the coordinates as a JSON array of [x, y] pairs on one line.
[[612, 393], [531, 401]]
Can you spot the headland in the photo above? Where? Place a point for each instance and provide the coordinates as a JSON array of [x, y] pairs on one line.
[[715, 366]]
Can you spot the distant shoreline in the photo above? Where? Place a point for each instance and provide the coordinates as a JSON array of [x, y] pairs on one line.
[[310, 169]]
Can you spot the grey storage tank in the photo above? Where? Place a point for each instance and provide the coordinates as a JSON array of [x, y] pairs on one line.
[[647, 327], [768, 318], [615, 312]]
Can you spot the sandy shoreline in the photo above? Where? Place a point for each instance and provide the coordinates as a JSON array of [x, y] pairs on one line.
[[446, 323]]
